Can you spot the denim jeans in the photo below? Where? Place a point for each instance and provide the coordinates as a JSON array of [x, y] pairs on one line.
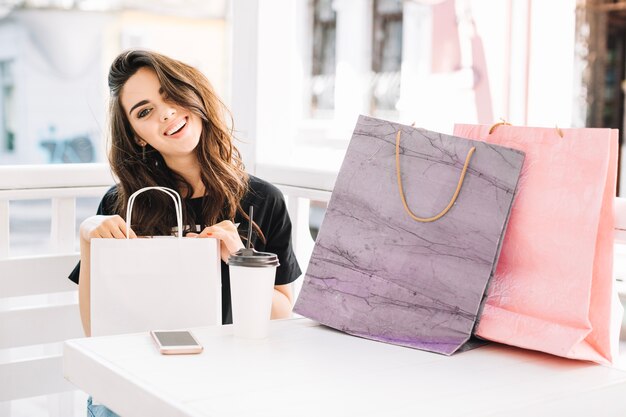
[[98, 410]]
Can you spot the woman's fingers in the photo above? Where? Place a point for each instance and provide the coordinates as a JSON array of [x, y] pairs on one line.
[[116, 226], [206, 232], [221, 228], [118, 231], [226, 232], [105, 227]]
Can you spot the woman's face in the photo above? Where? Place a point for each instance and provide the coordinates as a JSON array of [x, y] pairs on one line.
[[167, 127]]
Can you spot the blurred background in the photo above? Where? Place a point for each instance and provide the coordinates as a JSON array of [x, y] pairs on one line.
[[54, 57], [298, 76], [317, 64]]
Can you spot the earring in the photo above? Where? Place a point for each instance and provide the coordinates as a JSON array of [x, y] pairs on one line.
[[143, 150]]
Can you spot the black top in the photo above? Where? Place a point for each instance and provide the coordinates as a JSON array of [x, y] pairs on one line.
[[270, 214]]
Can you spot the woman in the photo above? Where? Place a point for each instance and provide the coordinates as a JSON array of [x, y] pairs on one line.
[[168, 129]]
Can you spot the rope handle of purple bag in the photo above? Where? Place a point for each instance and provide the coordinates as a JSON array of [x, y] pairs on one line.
[[452, 200], [459, 184], [177, 204]]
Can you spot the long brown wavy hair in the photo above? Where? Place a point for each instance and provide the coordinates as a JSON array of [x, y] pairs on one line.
[[222, 169]]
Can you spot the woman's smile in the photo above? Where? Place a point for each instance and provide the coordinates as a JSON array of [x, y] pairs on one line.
[[176, 129]]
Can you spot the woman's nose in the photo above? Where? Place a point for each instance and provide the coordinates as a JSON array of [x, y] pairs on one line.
[[168, 113]]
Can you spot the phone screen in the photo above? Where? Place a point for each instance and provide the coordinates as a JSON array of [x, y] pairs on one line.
[[174, 338]]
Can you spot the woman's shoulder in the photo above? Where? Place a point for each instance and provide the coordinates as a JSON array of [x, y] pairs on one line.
[[111, 192], [261, 189], [108, 202]]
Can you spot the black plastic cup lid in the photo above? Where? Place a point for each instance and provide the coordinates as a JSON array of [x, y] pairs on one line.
[[252, 258]]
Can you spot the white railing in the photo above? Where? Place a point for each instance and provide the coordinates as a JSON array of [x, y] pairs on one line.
[[62, 184], [38, 304]]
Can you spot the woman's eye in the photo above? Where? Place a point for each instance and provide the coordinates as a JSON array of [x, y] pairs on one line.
[[143, 113]]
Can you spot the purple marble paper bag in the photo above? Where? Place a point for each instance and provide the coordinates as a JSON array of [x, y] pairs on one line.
[[377, 273]]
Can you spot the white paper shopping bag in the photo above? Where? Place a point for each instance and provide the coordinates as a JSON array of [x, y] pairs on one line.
[[154, 283]]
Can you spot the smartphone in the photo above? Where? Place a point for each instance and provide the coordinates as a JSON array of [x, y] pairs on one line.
[[175, 342]]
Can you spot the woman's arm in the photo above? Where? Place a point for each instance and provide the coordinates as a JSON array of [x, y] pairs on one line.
[[282, 302], [230, 242], [84, 286], [94, 227]]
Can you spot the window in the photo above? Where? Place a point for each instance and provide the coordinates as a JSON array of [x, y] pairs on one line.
[[7, 113], [386, 55], [323, 64]]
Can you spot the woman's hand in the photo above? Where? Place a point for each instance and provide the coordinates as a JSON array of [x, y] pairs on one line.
[[226, 232], [104, 227]]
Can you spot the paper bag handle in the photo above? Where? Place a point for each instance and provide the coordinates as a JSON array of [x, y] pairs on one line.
[[454, 197], [177, 204]]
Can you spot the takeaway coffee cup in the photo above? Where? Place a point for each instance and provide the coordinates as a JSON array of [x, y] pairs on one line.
[[252, 276]]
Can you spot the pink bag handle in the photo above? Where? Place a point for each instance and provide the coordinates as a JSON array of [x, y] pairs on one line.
[[177, 204]]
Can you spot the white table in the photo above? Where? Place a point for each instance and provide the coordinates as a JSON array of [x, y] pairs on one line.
[[304, 369]]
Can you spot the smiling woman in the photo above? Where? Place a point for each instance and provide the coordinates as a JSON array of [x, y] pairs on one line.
[[168, 129]]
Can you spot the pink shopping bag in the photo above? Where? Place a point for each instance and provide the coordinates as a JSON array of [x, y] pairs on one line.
[[553, 289]]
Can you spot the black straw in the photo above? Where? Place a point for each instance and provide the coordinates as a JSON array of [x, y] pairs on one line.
[[250, 213]]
